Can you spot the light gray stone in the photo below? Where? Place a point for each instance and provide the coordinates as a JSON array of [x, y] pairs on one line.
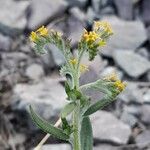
[[13, 13], [146, 97], [145, 11], [105, 147], [127, 35], [145, 114], [47, 97], [131, 94], [142, 139], [124, 9], [42, 11], [107, 127], [133, 64], [35, 72], [5, 43], [56, 147]]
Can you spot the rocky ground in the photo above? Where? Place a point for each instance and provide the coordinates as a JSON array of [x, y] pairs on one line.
[[26, 78]]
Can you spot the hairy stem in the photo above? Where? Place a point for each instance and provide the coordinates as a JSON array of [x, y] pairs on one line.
[[76, 127]]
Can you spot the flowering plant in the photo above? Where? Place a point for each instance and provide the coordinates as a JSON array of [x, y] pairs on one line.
[[78, 130]]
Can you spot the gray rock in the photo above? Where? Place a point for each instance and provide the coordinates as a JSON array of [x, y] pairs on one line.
[[96, 4], [43, 96], [56, 147], [49, 9], [143, 52], [128, 118], [107, 127], [79, 3], [142, 139], [124, 9], [9, 16], [146, 97], [145, 114], [5, 43], [132, 94], [76, 12], [105, 147], [75, 29], [146, 11], [133, 64], [35, 72], [127, 35]]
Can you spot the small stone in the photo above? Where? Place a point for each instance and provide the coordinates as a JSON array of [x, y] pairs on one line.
[[133, 64], [50, 9], [35, 72], [107, 127], [75, 30], [127, 35], [145, 114], [128, 118], [76, 12], [9, 16], [124, 9], [5, 43], [146, 11], [56, 147], [131, 94], [146, 97], [143, 52], [142, 139], [105, 147]]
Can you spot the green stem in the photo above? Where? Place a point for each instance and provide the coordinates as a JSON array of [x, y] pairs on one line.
[[76, 127]]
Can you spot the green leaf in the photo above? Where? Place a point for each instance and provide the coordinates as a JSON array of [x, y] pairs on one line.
[[47, 127], [66, 127], [68, 109], [99, 105], [86, 134], [100, 85]]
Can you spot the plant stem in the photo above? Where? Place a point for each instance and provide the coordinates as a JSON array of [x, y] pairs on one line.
[[76, 127]]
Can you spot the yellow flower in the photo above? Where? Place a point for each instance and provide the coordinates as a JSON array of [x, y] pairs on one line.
[[90, 37], [83, 68], [73, 61], [42, 31], [103, 25], [33, 36], [120, 85]]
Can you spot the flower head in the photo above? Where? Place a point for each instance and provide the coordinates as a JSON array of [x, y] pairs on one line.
[[120, 85], [103, 26], [90, 37], [42, 31], [73, 61], [33, 36]]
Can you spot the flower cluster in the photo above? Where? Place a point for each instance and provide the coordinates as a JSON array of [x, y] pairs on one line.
[[41, 32], [118, 84], [96, 38]]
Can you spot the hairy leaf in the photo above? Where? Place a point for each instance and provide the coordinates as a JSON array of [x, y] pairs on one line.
[[99, 105], [47, 127], [86, 134]]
